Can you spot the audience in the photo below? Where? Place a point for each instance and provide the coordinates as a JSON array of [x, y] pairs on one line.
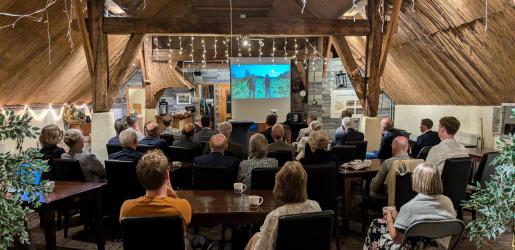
[[258, 148], [152, 139], [305, 131], [132, 122], [290, 190], [119, 126], [448, 147], [186, 140], [92, 168], [50, 136], [204, 134], [279, 143], [233, 148], [303, 143], [169, 130], [318, 143], [389, 133], [287, 133], [348, 133], [429, 204], [129, 141], [271, 120], [218, 144], [400, 146], [427, 138], [345, 113]]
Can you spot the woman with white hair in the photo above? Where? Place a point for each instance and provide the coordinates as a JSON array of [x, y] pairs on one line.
[[91, 167], [258, 148], [313, 126]]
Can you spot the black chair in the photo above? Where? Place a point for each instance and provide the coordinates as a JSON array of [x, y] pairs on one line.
[[305, 231], [67, 170], [281, 156], [122, 184], [181, 178], [455, 175], [113, 148], [344, 153], [403, 190], [263, 178], [424, 152], [436, 230], [483, 174], [211, 177], [183, 154], [144, 148], [167, 137], [166, 232], [361, 149]]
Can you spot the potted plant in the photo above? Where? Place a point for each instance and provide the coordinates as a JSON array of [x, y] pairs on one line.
[[496, 200], [18, 193]]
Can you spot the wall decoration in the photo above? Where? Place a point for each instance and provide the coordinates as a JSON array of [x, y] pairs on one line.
[[183, 99]]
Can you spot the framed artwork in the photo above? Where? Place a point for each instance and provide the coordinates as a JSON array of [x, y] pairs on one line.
[[183, 99]]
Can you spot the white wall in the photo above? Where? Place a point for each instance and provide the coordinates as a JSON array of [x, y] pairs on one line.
[[408, 117]]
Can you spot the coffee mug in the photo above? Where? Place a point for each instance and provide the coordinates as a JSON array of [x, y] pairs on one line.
[[255, 200], [176, 164], [50, 185], [239, 187]]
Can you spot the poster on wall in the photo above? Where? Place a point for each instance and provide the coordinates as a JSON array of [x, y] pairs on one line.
[[343, 99], [183, 98]]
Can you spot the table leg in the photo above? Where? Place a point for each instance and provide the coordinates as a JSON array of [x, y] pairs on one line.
[[346, 203], [47, 219], [98, 220]]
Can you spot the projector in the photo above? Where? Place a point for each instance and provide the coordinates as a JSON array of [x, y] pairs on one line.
[[273, 111]]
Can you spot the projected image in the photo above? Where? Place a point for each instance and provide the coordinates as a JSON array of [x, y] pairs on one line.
[[258, 81]]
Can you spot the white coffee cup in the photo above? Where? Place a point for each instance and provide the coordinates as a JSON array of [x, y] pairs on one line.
[[239, 187], [50, 185], [176, 164], [255, 200]]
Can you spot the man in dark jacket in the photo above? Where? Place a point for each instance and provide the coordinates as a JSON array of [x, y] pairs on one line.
[[152, 139], [427, 138], [218, 144], [349, 134], [129, 141], [271, 120]]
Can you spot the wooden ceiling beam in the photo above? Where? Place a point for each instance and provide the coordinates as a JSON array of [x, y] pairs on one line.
[[373, 56], [84, 36], [100, 62], [390, 28], [240, 26], [326, 55]]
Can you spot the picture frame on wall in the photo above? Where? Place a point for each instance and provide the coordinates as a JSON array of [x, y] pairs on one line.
[[183, 98]]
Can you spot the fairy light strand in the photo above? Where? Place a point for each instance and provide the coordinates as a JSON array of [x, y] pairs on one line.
[[285, 52]]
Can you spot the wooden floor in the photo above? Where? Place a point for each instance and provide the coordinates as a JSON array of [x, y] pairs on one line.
[[347, 241]]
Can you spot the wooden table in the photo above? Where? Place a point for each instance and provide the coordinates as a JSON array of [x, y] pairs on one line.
[[65, 191], [350, 175]]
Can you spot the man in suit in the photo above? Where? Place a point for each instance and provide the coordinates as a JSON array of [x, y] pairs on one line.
[[218, 144], [204, 134], [389, 133], [279, 143], [271, 120], [233, 148], [152, 139], [129, 141], [349, 134], [427, 138]]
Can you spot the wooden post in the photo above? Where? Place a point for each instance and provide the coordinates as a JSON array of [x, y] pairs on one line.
[[390, 28], [98, 41], [84, 36], [373, 59]]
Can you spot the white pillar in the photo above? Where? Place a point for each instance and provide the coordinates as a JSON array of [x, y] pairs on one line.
[[371, 127], [102, 129]]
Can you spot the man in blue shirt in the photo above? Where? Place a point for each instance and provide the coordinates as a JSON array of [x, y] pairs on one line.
[[129, 141]]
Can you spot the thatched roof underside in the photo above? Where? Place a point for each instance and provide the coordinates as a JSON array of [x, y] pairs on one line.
[[440, 55]]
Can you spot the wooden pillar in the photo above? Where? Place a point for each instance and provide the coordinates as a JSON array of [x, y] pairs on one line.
[[373, 59], [98, 41]]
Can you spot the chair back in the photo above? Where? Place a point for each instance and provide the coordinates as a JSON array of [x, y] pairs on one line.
[[424, 152], [113, 148], [403, 190], [485, 169], [281, 156], [455, 175], [164, 232], [322, 184], [181, 178], [183, 154], [211, 177], [305, 231], [263, 178], [436, 230], [144, 148], [361, 149], [122, 183], [67, 170], [167, 137], [344, 153]]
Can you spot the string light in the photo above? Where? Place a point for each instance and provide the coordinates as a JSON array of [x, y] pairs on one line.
[[261, 43], [296, 51], [227, 49], [273, 50], [285, 52], [239, 50], [170, 50], [203, 53], [180, 45], [192, 50], [249, 47], [216, 52], [305, 53]]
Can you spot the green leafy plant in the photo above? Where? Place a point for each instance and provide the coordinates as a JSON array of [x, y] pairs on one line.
[[18, 194], [496, 200]]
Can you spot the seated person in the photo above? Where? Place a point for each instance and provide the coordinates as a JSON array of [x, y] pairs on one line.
[[429, 204], [186, 140], [427, 138], [132, 122], [204, 134], [348, 134], [345, 113], [400, 147], [92, 168], [304, 132], [152, 139], [389, 132], [160, 199], [279, 143], [318, 142], [301, 147], [448, 147], [271, 120], [169, 130], [218, 144], [233, 148], [119, 126], [129, 140], [258, 148], [291, 190], [50, 136]]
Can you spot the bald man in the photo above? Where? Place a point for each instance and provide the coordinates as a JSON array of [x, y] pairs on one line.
[[218, 144], [152, 139], [400, 146]]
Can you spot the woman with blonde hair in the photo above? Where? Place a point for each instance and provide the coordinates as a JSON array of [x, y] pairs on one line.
[[258, 148], [291, 190], [91, 167], [318, 142], [303, 142], [429, 205], [50, 137]]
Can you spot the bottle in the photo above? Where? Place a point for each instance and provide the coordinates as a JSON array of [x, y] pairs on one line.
[[163, 107]]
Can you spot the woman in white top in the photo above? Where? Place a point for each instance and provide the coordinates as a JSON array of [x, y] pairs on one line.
[[291, 190], [429, 204]]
